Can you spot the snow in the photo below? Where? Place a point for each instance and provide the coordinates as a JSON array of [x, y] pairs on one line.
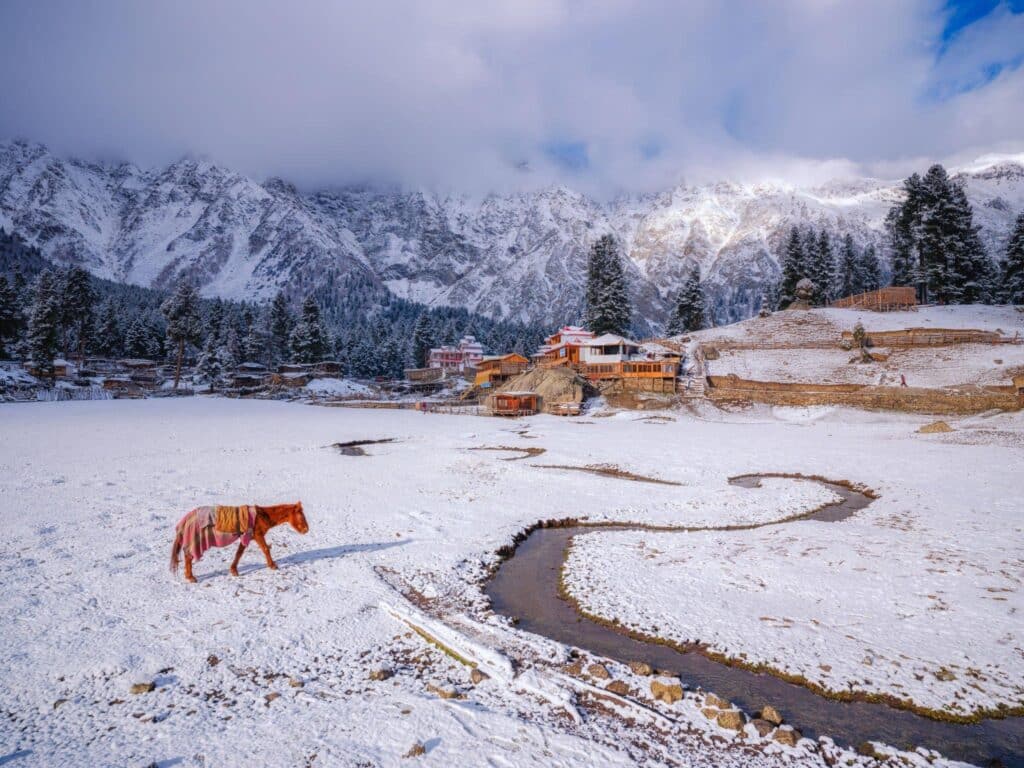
[[923, 367], [513, 256], [403, 536], [338, 388], [923, 583], [827, 363]]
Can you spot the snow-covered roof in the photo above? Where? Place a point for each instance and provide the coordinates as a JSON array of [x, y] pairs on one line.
[[655, 348], [610, 340]]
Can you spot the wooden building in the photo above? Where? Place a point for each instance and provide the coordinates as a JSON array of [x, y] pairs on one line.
[[514, 403], [564, 347], [617, 358], [466, 354], [497, 369]]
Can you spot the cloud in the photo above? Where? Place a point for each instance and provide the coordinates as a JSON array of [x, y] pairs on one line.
[[606, 95]]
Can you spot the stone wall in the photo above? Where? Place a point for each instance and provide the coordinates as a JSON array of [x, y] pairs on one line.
[[952, 401]]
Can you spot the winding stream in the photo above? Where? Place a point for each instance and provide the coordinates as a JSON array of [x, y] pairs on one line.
[[525, 587]]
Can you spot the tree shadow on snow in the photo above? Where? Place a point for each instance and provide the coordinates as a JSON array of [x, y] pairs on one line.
[[5, 759]]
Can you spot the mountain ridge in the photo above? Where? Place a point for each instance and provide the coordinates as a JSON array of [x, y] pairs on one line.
[[518, 255]]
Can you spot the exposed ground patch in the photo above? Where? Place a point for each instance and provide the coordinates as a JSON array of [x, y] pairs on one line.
[[609, 470], [355, 447], [527, 452]]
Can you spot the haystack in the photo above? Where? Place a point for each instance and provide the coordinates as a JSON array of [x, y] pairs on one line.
[[935, 426], [554, 385]]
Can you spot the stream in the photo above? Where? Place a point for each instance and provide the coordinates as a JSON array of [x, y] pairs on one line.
[[525, 588]]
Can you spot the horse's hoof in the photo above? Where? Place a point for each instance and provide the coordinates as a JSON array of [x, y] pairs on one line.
[[233, 572], [273, 567], [192, 580]]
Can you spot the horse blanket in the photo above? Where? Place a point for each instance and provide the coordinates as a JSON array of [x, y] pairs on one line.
[[199, 532]]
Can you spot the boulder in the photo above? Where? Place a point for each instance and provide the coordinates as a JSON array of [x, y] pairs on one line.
[[444, 691], [787, 736], [667, 689], [619, 687], [771, 714], [294, 682], [477, 676], [731, 719], [641, 668], [718, 703], [934, 427], [600, 671], [271, 696], [383, 673], [143, 687], [710, 713], [763, 727]]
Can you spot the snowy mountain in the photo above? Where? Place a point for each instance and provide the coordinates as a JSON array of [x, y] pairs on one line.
[[517, 256]]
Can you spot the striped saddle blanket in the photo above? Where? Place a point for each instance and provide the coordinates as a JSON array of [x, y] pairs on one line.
[[207, 527], [231, 519]]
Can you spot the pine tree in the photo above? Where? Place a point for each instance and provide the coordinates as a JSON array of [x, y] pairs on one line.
[[1013, 265], [308, 340], [109, 339], [870, 270], [688, 314], [607, 294], [137, 341], [254, 342], [771, 297], [230, 349], [77, 301], [44, 324], [422, 340], [901, 226], [8, 316], [822, 269], [280, 328], [181, 310], [972, 265], [793, 266], [209, 365], [849, 280]]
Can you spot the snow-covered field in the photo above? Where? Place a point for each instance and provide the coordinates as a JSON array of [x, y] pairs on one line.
[[273, 668], [923, 367]]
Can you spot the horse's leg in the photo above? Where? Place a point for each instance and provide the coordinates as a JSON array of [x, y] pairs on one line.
[[238, 557], [262, 541], [188, 570]]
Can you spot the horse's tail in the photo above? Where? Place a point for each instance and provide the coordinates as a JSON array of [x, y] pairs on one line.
[[176, 550]]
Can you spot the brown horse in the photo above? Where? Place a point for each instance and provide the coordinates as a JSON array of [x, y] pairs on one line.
[[194, 540]]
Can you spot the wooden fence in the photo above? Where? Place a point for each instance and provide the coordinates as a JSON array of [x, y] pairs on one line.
[[883, 300], [950, 401]]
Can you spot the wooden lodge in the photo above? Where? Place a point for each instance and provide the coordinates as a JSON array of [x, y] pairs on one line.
[[514, 403], [497, 369], [466, 354], [890, 299], [563, 347], [615, 357], [61, 368]]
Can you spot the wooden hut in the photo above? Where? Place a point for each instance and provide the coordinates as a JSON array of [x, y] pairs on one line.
[[564, 347], [514, 403], [497, 369]]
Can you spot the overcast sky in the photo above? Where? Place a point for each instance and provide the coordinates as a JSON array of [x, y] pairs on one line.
[[605, 95]]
